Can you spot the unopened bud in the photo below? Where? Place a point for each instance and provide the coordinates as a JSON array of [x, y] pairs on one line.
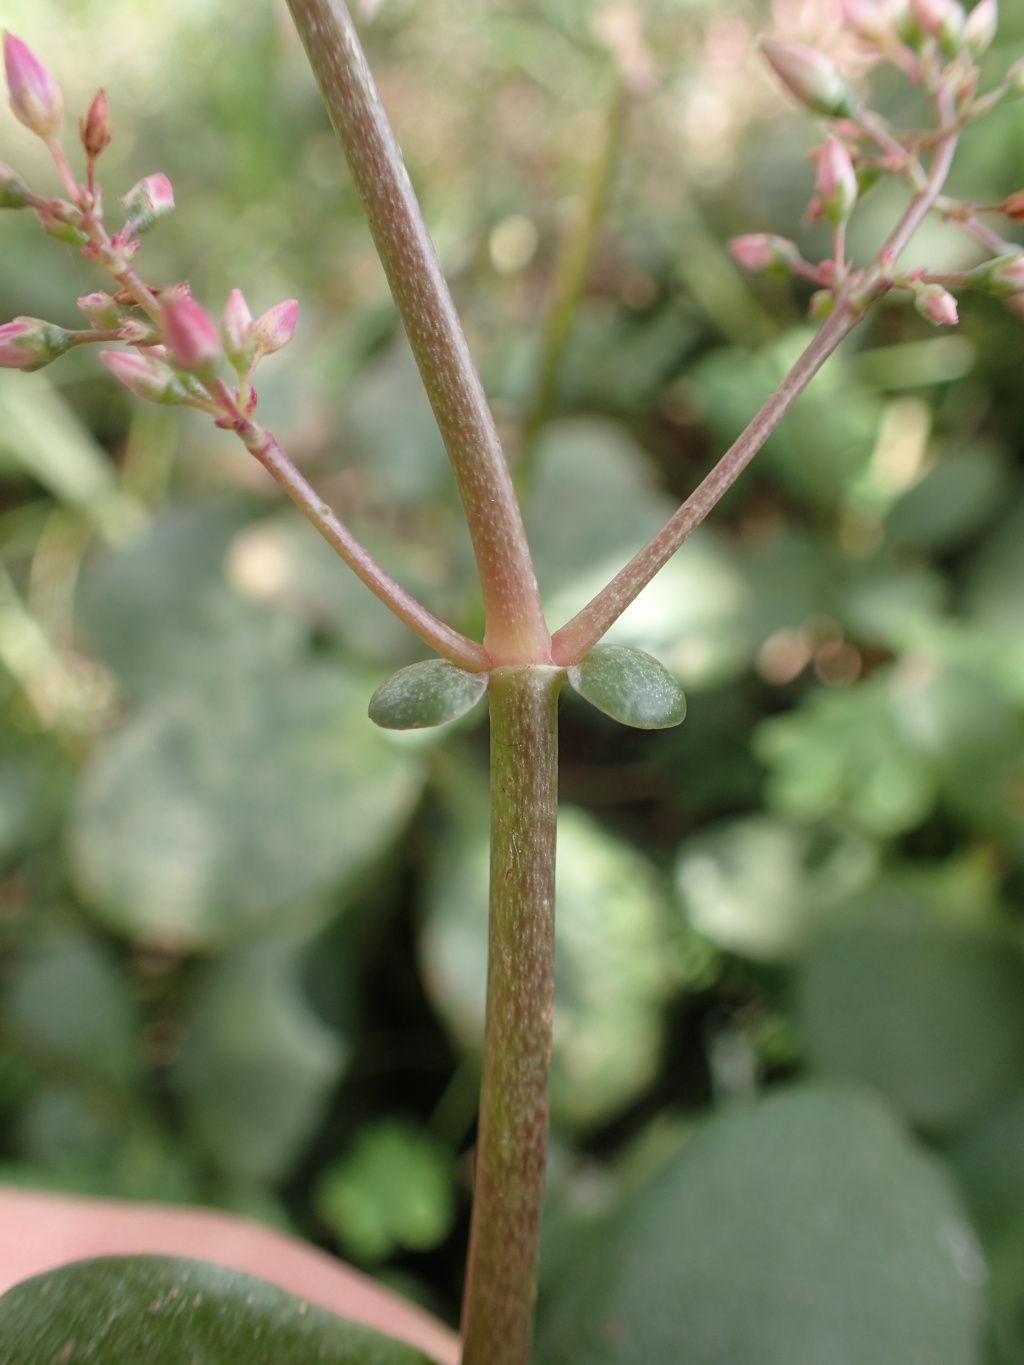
[[36, 97], [759, 251], [867, 19], [94, 129], [810, 76], [14, 193], [941, 19], [147, 202], [837, 181], [63, 226], [102, 311], [30, 343], [1014, 80], [276, 327], [1003, 275], [190, 334], [237, 332], [980, 27], [146, 376], [937, 305], [822, 304]]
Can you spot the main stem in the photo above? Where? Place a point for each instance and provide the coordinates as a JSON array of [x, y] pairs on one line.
[[501, 1278]]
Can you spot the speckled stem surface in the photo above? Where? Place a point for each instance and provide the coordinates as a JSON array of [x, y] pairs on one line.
[[501, 1280], [516, 632]]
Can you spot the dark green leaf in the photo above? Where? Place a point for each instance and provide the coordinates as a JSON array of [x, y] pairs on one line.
[[630, 686], [167, 1311], [801, 1229], [430, 693]]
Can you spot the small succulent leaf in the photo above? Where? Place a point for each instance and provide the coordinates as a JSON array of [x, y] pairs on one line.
[[430, 693], [165, 1310], [630, 686]]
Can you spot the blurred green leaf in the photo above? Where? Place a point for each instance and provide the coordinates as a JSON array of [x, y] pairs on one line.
[[166, 1311], [612, 972], [759, 887], [209, 815], [630, 686], [799, 1229], [256, 1065], [930, 1016], [394, 1189], [844, 753], [69, 1002], [434, 692], [958, 496]]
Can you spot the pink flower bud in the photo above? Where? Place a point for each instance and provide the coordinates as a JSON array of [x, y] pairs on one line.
[[937, 305], [30, 343], [942, 19], [276, 327], [237, 332], [1014, 79], [980, 28], [1004, 275], [14, 193], [102, 311], [190, 334], [146, 376], [867, 19], [764, 251], [810, 76], [35, 96], [145, 203], [837, 181], [94, 129]]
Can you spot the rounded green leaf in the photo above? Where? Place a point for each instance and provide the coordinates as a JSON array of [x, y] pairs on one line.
[[211, 814], [630, 686], [932, 1017], [430, 693], [797, 1230], [170, 1311]]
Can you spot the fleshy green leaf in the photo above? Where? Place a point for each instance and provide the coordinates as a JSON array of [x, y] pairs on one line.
[[630, 686], [430, 693], [169, 1311], [800, 1229]]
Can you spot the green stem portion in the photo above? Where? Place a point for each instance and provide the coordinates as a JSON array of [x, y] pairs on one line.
[[516, 632], [501, 1279], [570, 279]]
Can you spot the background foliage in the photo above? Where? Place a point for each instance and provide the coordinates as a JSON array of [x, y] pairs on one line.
[[242, 932]]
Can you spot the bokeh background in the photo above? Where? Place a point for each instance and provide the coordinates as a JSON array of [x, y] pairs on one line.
[[242, 933]]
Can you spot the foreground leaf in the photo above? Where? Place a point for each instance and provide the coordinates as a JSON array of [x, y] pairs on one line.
[[802, 1229], [430, 693], [630, 686], [168, 1311]]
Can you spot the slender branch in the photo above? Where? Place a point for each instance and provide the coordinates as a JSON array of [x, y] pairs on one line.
[[570, 277], [501, 1278], [448, 642], [516, 631], [578, 636]]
